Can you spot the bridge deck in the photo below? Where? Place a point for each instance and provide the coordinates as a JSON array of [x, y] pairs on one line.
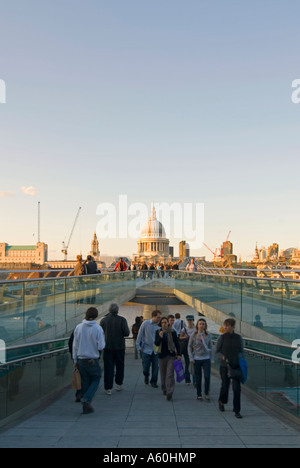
[[140, 416]]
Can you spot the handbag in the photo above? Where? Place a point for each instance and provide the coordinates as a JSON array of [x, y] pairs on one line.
[[235, 373], [183, 342], [180, 374], [76, 380], [241, 372]]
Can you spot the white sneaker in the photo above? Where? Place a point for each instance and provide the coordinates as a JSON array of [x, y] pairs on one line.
[[108, 392], [119, 388]]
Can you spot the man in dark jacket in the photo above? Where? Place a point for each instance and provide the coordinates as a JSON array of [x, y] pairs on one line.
[[91, 269], [91, 266], [115, 330], [230, 349]]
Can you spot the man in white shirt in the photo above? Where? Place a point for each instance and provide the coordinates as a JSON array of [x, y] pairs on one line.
[[88, 342], [179, 324]]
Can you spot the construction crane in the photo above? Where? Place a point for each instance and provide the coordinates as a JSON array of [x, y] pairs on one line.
[[64, 246], [219, 253], [214, 253]]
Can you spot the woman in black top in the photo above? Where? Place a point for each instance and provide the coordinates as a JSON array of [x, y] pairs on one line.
[[230, 349], [167, 339]]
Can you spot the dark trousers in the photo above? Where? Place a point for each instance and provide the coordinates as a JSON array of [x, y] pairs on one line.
[[166, 367], [149, 360], [113, 358], [224, 393], [206, 366]]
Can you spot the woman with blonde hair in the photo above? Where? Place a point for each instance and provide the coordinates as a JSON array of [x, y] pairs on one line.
[[200, 354]]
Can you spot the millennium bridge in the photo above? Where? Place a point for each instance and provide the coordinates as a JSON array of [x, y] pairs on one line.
[[38, 315]]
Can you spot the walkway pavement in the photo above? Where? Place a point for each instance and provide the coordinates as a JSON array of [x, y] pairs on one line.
[[140, 416]]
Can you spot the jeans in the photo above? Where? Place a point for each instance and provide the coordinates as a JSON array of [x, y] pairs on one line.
[[90, 373], [206, 365], [147, 361]]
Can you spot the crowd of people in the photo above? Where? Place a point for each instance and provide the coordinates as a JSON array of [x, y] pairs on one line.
[[159, 341], [148, 269]]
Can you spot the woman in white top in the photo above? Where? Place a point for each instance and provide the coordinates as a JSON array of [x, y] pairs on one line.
[[191, 267], [200, 354]]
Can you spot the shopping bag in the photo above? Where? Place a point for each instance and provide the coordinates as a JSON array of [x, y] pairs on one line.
[[179, 369], [76, 380]]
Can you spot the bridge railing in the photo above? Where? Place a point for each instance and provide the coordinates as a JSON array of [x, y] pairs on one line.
[[268, 303], [272, 304], [29, 306], [32, 373]]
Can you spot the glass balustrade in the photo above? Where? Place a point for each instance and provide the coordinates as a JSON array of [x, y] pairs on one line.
[[267, 303], [24, 382], [27, 307]]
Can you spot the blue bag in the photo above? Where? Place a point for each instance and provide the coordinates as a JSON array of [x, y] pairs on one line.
[[180, 374], [244, 366]]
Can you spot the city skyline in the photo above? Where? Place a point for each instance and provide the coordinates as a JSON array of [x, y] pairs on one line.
[[167, 101], [209, 253]]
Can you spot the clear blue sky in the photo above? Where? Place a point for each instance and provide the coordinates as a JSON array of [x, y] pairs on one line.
[[162, 99]]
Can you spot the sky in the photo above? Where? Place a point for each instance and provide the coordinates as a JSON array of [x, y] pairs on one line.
[[177, 102]]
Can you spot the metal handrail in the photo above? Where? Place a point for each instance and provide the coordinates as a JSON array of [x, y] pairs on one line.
[[207, 273], [267, 355], [271, 356], [37, 343], [66, 278], [269, 343], [257, 278], [34, 357]]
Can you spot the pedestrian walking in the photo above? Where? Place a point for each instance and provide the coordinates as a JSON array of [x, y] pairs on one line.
[[120, 265], [144, 269], [179, 324], [79, 267], [166, 338], [79, 270], [88, 342], [91, 268], [115, 329], [145, 344], [184, 337], [200, 354], [191, 266], [230, 348], [135, 331]]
